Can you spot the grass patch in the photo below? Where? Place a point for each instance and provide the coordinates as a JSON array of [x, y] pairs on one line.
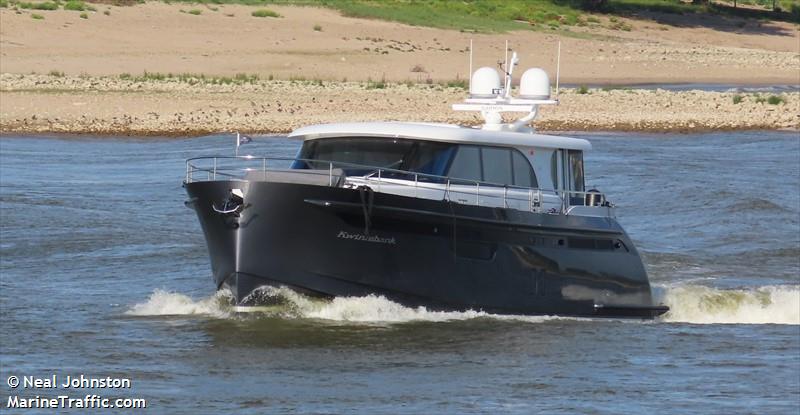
[[457, 83], [376, 85], [737, 99], [37, 16], [583, 90], [264, 13], [507, 15], [195, 12], [47, 5], [77, 6], [192, 79], [3, 4]]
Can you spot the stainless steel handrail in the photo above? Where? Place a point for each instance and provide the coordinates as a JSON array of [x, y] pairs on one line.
[[534, 199]]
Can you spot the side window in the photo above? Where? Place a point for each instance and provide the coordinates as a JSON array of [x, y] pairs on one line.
[[466, 164], [496, 165], [576, 169], [523, 173], [554, 169]]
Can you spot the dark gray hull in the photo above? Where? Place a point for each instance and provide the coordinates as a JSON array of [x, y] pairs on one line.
[[332, 241]]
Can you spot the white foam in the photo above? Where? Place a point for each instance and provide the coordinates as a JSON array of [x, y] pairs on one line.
[[689, 303], [165, 303], [699, 304], [370, 308]]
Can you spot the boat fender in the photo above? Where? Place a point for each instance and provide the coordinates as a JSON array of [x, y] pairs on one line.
[[367, 198]]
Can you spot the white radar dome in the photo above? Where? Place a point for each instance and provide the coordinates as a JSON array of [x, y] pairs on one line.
[[535, 84], [485, 83]]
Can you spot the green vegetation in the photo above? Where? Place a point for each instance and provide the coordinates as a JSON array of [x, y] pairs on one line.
[[264, 13], [737, 99], [77, 6], [582, 90], [458, 83], [3, 3], [192, 79], [760, 99], [47, 5], [56, 73], [37, 16], [195, 12], [84, 16], [376, 85], [317, 28], [506, 15], [775, 100]]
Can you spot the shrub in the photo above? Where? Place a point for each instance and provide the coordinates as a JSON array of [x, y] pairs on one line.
[[107, 12], [760, 99], [317, 28], [196, 12], [77, 6], [775, 100], [264, 13], [737, 99], [3, 3], [418, 68], [84, 16], [583, 90], [37, 16], [48, 5], [56, 73]]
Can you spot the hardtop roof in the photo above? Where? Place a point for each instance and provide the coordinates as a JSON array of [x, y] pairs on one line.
[[439, 132]]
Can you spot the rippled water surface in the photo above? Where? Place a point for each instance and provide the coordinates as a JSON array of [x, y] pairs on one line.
[[105, 273]]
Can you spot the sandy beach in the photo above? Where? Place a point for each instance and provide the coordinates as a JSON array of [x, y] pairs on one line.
[[336, 68]]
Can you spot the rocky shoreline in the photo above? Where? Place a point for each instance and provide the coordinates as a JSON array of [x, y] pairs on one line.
[[192, 106]]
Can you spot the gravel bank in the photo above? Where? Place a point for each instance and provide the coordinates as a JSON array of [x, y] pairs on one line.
[[107, 105]]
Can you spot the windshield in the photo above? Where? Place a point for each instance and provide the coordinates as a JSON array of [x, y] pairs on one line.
[[388, 153]]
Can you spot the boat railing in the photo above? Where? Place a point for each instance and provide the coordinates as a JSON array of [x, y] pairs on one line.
[[464, 191]]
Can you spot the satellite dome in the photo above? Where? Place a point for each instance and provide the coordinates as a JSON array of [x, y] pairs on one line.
[[485, 83], [535, 84]]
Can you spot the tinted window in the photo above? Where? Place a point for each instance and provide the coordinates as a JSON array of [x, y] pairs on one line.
[[576, 169], [466, 164], [398, 154], [429, 158], [378, 152], [496, 165], [523, 173]]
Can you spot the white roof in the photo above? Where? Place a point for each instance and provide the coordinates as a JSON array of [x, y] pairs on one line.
[[439, 132]]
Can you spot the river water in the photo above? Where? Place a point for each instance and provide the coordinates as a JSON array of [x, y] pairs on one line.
[[105, 273]]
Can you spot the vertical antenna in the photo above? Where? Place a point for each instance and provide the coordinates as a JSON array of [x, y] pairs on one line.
[[470, 65], [505, 68], [558, 67]]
